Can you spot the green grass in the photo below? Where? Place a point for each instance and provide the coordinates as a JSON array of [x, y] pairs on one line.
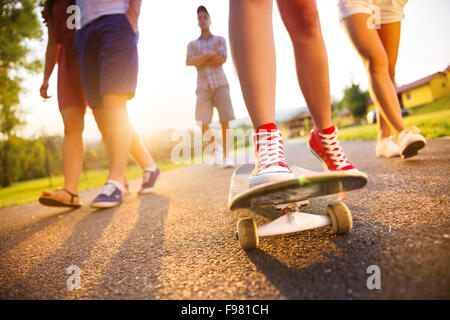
[[433, 119], [28, 191]]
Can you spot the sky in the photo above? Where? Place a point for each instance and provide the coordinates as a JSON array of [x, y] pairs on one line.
[[165, 96]]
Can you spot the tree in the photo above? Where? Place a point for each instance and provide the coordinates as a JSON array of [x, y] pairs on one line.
[[354, 100], [19, 23]]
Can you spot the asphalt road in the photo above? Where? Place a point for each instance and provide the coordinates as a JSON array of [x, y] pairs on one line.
[[178, 243]]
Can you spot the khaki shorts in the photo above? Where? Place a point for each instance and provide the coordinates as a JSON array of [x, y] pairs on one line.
[[208, 98], [384, 11]]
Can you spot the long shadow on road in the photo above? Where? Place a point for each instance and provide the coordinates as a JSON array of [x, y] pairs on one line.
[[317, 264], [8, 241], [118, 251], [135, 271], [47, 279]]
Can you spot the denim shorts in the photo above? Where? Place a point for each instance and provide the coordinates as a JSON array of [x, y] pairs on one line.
[[107, 58]]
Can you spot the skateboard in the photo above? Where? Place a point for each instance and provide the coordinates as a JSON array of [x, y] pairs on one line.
[[287, 196]]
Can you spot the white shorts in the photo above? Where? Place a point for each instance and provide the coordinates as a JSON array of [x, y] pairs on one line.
[[383, 11]]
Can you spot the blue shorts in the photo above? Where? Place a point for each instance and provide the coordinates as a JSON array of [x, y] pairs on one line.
[[107, 58]]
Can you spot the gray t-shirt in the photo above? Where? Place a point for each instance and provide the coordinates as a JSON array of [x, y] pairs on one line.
[[93, 9]]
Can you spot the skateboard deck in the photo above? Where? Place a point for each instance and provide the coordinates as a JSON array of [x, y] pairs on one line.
[[287, 196], [307, 184]]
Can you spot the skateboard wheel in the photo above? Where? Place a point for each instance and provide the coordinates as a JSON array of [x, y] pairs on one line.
[[341, 218], [247, 233]]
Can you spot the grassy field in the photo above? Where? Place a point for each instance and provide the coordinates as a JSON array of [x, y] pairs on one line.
[[433, 119], [28, 191]]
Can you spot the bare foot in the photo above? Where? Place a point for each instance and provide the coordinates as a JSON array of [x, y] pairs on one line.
[[61, 195]]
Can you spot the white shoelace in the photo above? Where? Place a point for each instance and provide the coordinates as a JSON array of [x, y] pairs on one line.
[[108, 189], [332, 147], [270, 147], [411, 129], [146, 176]]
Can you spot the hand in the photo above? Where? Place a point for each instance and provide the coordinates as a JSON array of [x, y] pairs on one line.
[[212, 54], [133, 22], [216, 61], [43, 90]]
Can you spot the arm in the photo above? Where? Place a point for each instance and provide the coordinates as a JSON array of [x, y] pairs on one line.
[[51, 56], [221, 56], [199, 61], [216, 61], [133, 13]]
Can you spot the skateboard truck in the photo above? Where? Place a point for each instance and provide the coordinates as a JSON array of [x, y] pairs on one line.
[[290, 207], [292, 220]]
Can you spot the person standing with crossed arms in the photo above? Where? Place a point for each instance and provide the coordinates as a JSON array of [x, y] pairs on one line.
[[208, 53]]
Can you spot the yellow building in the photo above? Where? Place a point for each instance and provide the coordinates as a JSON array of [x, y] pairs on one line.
[[422, 91]]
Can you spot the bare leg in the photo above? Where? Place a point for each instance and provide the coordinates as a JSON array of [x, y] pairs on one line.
[[302, 22], [390, 37], [369, 46], [138, 150], [118, 135], [73, 147], [253, 50], [206, 129], [225, 127], [73, 153]]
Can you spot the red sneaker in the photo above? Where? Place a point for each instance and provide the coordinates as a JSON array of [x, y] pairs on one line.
[[270, 162], [325, 146]]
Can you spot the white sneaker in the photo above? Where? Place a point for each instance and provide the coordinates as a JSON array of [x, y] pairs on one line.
[[387, 148], [228, 163], [270, 162], [410, 142]]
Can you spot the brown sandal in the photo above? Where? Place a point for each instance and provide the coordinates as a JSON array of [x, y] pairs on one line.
[[52, 202]]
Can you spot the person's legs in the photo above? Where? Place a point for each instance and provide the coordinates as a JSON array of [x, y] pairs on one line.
[[137, 150], [73, 154], [204, 114], [302, 22], [222, 101], [225, 126], [389, 34], [369, 46], [120, 139], [253, 51], [390, 37], [118, 135], [73, 147], [301, 19], [207, 129], [372, 50]]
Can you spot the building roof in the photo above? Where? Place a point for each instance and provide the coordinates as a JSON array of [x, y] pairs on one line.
[[414, 84], [301, 115], [343, 113], [417, 83]]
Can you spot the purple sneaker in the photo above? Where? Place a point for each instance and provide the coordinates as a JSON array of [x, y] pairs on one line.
[[148, 181], [110, 196]]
